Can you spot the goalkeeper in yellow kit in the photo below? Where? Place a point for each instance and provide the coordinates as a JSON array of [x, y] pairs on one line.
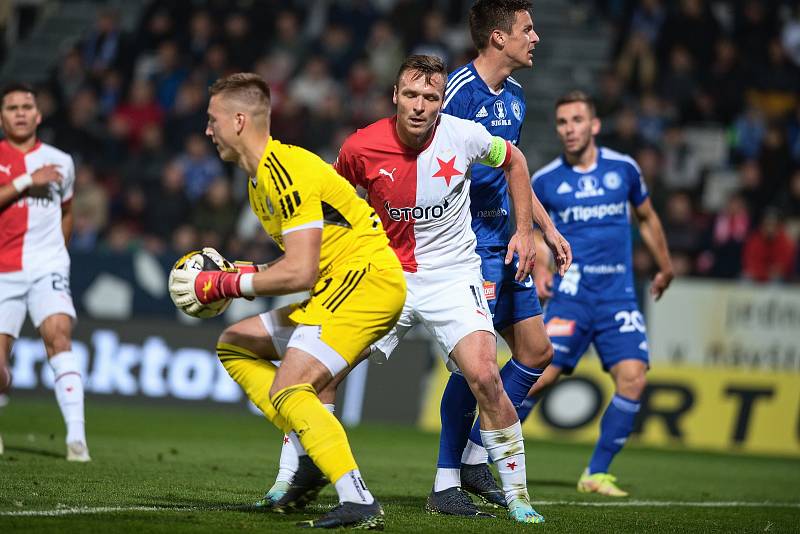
[[336, 248]]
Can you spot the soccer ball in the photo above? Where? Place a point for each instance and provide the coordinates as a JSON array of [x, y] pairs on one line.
[[204, 261]]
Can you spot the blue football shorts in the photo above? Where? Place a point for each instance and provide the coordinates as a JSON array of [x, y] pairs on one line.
[[616, 328], [509, 301]]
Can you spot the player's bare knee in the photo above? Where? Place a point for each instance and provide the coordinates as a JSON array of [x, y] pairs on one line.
[[56, 343], [544, 356], [486, 384], [228, 336], [631, 385]]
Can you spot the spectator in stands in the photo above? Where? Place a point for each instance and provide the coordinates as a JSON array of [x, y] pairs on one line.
[[748, 133], [90, 206], [624, 137], [188, 115], [200, 167], [157, 27], [289, 38], [431, 41], [384, 52], [242, 46], [722, 254], [168, 206], [144, 167], [610, 98], [776, 82], [691, 27], [199, 37], [103, 45], [754, 25], [82, 134], [725, 81], [313, 84], [775, 161], [647, 19], [110, 91], [215, 214], [651, 163], [138, 111], [70, 76], [677, 83], [652, 118], [336, 46], [790, 200], [768, 254], [684, 234], [168, 73], [637, 65], [751, 182], [790, 36]]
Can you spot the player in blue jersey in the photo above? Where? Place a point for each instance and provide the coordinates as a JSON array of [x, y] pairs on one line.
[[589, 191], [485, 92]]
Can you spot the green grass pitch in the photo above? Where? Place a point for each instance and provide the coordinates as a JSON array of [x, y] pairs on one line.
[[188, 469]]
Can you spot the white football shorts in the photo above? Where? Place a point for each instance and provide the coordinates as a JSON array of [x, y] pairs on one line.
[[449, 305], [40, 296], [285, 333]]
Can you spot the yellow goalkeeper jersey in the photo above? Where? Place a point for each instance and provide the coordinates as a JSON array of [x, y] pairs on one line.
[[295, 189]]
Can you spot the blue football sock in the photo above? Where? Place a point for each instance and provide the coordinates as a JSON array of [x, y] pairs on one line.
[[615, 427], [457, 412], [517, 381], [526, 408]]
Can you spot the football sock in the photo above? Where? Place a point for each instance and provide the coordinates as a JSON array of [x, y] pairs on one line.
[[291, 450], [517, 381], [254, 375], [69, 394], [447, 477], [319, 431], [615, 427], [351, 488], [526, 407], [507, 451], [457, 412]]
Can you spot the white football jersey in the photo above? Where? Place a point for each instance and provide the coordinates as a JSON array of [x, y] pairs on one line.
[[31, 238], [421, 196]]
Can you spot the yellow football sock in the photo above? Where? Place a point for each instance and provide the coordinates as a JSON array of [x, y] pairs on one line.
[[254, 375], [319, 431]]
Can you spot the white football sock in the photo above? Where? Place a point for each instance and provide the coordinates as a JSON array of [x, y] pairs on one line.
[[291, 451], [507, 451], [351, 488], [69, 393], [447, 478], [474, 454]]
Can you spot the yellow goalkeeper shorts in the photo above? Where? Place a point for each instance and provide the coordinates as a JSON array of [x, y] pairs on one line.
[[353, 307]]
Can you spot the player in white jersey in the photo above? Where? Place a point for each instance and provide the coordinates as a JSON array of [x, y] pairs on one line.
[[36, 184], [415, 170]]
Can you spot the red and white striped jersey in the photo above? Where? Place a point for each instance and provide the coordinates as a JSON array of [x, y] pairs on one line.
[[422, 196], [31, 238]]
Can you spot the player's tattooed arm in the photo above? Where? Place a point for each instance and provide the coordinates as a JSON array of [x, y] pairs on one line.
[[656, 242]]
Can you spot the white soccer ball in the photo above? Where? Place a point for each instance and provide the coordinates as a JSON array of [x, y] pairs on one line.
[[203, 261]]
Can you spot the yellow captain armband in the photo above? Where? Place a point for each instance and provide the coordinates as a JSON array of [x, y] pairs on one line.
[[498, 151]]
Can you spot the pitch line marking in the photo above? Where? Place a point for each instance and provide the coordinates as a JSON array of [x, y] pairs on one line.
[[599, 504]]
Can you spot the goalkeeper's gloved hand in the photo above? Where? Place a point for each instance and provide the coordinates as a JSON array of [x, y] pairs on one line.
[[201, 287]]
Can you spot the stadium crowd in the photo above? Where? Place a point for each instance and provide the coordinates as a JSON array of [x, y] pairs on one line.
[[131, 109]]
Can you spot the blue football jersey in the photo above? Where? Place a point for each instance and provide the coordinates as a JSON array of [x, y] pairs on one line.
[[591, 210], [467, 96]]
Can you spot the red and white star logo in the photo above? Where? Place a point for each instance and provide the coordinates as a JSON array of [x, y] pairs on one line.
[[447, 169], [285, 440], [511, 465]]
